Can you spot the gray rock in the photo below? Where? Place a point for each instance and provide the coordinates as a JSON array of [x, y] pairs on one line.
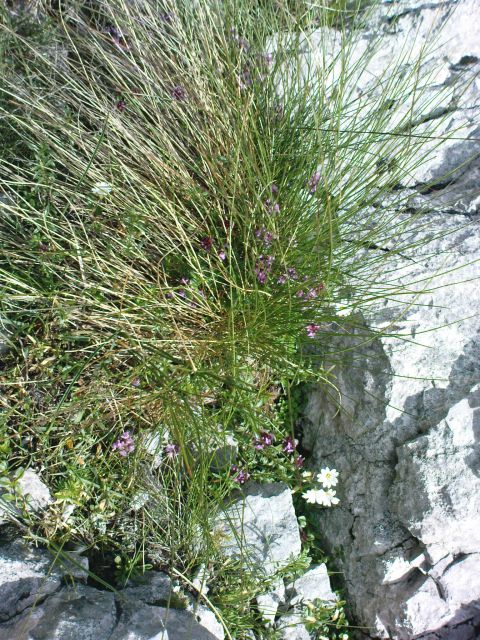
[[155, 590], [153, 587], [34, 491], [406, 532], [314, 584], [200, 580], [291, 627], [225, 454], [206, 619], [70, 614], [260, 528], [268, 603], [73, 566], [35, 606], [149, 622], [406, 445], [27, 577]]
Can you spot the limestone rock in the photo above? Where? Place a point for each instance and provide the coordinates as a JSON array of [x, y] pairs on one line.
[[34, 605], [314, 584], [26, 578], [73, 566], [436, 491], [260, 527], [70, 614], [34, 491], [148, 622], [406, 532], [406, 446], [268, 603], [225, 454], [290, 627]]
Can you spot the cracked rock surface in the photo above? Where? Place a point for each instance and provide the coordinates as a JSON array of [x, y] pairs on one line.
[[37, 603], [407, 531]]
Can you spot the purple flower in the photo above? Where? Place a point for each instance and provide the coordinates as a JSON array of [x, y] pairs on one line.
[[263, 267], [265, 439], [292, 273], [121, 105], [299, 460], [241, 475], [313, 181], [261, 276], [222, 255], [125, 444], [167, 16], [265, 236], [115, 33], [136, 382], [206, 243], [245, 79], [266, 261], [179, 93], [117, 37], [272, 207], [171, 450], [274, 189], [289, 445], [312, 330]]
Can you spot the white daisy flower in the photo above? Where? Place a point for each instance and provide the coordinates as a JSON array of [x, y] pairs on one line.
[[314, 496], [329, 498], [328, 477]]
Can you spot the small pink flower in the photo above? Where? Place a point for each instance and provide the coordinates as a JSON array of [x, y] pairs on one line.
[[222, 255], [272, 207], [241, 475], [313, 181], [171, 450], [289, 445], [179, 93], [312, 330], [125, 444], [265, 439], [121, 105], [263, 267], [299, 461], [292, 273]]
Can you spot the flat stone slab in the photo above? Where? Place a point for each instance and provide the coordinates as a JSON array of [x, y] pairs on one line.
[[260, 528]]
